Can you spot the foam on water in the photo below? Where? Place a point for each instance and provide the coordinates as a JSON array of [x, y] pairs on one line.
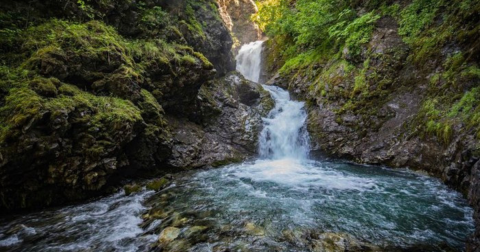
[[111, 223]]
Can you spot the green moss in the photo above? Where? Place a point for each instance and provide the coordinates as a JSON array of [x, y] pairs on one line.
[[91, 39], [152, 101], [226, 161], [21, 105], [471, 72], [189, 59], [191, 22], [416, 17], [45, 87], [206, 63], [157, 184], [154, 18], [131, 189]]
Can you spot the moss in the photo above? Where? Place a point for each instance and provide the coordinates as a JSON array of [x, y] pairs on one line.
[[151, 101], [226, 161], [91, 39], [191, 22], [188, 59], [157, 184], [152, 112], [131, 189], [45, 87], [21, 105], [206, 63]]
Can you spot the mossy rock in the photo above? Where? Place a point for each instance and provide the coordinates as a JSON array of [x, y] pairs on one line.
[[157, 184], [45, 87], [131, 189]]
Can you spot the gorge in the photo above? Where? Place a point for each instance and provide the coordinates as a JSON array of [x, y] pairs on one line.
[[96, 96]]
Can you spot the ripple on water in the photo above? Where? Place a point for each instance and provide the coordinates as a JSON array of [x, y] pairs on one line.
[[381, 206], [254, 206]]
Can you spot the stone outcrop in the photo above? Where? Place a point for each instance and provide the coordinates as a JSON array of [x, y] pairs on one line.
[[231, 119], [85, 104], [237, 16]]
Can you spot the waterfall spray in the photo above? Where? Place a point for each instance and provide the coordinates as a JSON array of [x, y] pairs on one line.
[[249, 61]]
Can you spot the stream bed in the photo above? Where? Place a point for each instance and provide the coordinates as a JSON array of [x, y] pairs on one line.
[[263, 205]]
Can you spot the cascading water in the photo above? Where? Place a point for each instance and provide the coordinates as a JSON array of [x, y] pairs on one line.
[[249, 61], [283, 135], [281, 202]]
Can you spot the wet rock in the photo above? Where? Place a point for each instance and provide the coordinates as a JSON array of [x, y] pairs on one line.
[[157, 184], [179, 220], [168, 235], [179, 245], [236, 15], [132, 188], [252, 229], [96, 113], [227, 128], [195, 230], [330, 242]]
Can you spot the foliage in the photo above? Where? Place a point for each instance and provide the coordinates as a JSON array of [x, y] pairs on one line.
[[416, 17], [317, 29], [326, 43], [155, 18]]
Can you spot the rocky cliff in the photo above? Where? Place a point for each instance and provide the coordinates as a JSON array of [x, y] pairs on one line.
[[237, 15], [390, 84], [94, 92]]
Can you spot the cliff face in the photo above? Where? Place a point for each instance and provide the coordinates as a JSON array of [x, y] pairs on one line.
[[95, 92], [237, 16], [398, 87]]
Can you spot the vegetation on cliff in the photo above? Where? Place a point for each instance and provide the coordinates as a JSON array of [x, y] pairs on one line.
[[387, 82], [332, 43], [85, 86]]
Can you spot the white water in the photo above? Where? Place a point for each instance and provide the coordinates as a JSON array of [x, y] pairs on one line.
[[109, 224], [284, 134], [249, 60]]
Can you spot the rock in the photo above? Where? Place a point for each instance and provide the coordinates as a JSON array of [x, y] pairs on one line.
[[227, 129], [179, 245], [236, 15], [92, 112], [179, 221], [334, 242], [195, 230], [168, 235], [131, 189], [157, 184], [251, 229]]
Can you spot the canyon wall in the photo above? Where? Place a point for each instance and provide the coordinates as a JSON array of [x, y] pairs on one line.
[[93, 93], [394, 87]]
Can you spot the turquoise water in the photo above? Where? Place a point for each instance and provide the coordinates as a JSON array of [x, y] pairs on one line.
[[376, 205]]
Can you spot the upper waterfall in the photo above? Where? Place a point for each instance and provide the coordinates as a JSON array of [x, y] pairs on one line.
[[249, 60]]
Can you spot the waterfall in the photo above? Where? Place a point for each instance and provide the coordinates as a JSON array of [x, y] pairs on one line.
[[284, 134], [249, 60]]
